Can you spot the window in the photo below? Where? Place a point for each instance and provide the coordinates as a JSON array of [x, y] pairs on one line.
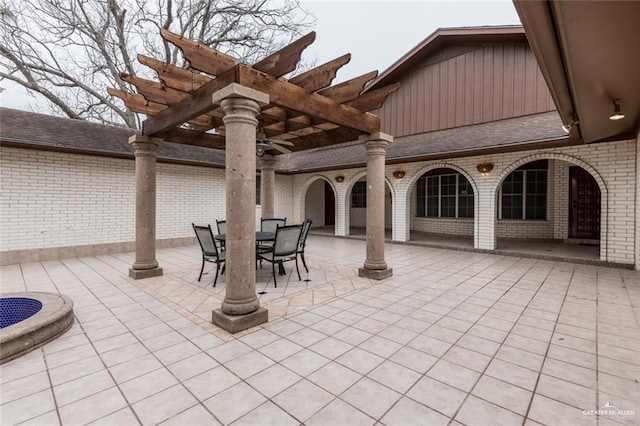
[[523, 194], [441, 193], [359, 194], [258, 190]]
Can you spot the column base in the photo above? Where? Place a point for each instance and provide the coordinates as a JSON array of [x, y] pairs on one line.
[[138, 274], [375, 274], [237, 323]]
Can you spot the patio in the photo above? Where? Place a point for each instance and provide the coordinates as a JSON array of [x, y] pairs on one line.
[[452, 338]]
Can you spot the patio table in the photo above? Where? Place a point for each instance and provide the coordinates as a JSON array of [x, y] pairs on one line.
[[260, 237]]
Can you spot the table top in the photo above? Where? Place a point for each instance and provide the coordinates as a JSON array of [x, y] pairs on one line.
[[260, 236]]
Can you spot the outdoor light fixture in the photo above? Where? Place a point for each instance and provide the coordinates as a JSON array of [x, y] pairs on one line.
[[617, 114], [399, 174], [339, 178], [567, 127], [485, 168]]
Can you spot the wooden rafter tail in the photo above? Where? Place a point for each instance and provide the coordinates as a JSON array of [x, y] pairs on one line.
[[370, 101], [198, 103], [159, 93], [136, 103], [350, 89], [321, 76], [192, 137], [175, 77], [287, 95], [200, 56], [152, 90], [286, 59]]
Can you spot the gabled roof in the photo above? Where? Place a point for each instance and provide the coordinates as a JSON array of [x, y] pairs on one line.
[[443, 37]]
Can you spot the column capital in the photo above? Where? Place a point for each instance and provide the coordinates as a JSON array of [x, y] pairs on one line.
[[377, 136], [144, 144], [267, 162], [238, 91]]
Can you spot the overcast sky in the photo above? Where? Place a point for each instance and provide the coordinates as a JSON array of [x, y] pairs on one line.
[[376, 33]]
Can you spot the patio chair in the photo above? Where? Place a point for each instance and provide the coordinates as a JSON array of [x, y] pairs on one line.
[[270, 225], [210, 251], [306, 226], [285, 248], [222, 229]]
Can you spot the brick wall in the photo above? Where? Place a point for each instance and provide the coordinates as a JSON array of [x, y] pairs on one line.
[[58, 200], [613, 165]]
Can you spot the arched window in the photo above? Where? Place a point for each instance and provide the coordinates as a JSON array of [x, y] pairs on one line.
[[523, 194], [444, 193]]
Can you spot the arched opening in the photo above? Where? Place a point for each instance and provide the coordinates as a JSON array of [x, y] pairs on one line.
[[549, 207], [357, 202], [320, 206], [442, 206]]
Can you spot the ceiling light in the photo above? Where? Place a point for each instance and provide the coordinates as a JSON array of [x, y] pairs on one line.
[[617, 114]]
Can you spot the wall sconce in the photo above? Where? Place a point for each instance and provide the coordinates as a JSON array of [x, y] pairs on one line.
[[399, 174], [339, 178], [617, 114], [485, 168]]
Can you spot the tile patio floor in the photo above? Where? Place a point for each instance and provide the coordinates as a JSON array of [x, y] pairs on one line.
[[452, 338]]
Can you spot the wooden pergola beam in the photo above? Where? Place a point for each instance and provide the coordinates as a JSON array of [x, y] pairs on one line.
[[198, 103], [175, 77], [350, 89], [161, 94], [287, 95], [200, 56], [374, 99], [321, 76], [286, 59], [191, 137]]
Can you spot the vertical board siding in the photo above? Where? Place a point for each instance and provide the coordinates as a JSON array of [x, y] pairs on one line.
[[490, 82]]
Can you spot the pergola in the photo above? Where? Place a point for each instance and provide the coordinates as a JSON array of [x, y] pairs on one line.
[[223, 104]]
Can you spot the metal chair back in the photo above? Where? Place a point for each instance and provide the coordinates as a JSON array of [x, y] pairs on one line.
[[206, 240], [306, 226], [287, 238], [270, 225]]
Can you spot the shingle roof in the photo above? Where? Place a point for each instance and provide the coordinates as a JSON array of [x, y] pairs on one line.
[[22, 128], [49, 132], [508, 133]]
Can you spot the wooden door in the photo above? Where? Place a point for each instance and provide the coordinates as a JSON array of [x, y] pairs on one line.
[[584, 217], [329, 205]]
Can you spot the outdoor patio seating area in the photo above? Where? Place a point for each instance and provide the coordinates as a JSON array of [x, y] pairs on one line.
[[452, 338]]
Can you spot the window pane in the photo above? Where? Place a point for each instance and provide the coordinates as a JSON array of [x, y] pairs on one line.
[[536, 195], [359, 195], [512, 190], [433, 192], [421, 194]]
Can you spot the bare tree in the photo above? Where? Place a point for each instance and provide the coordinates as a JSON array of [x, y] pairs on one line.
[[69, 51]]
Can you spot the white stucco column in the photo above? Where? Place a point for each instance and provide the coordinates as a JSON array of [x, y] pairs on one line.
[[146, 149], [342, 210], [375, 265], [400, 229], [485, 216], [241, 308], [267, 185]]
